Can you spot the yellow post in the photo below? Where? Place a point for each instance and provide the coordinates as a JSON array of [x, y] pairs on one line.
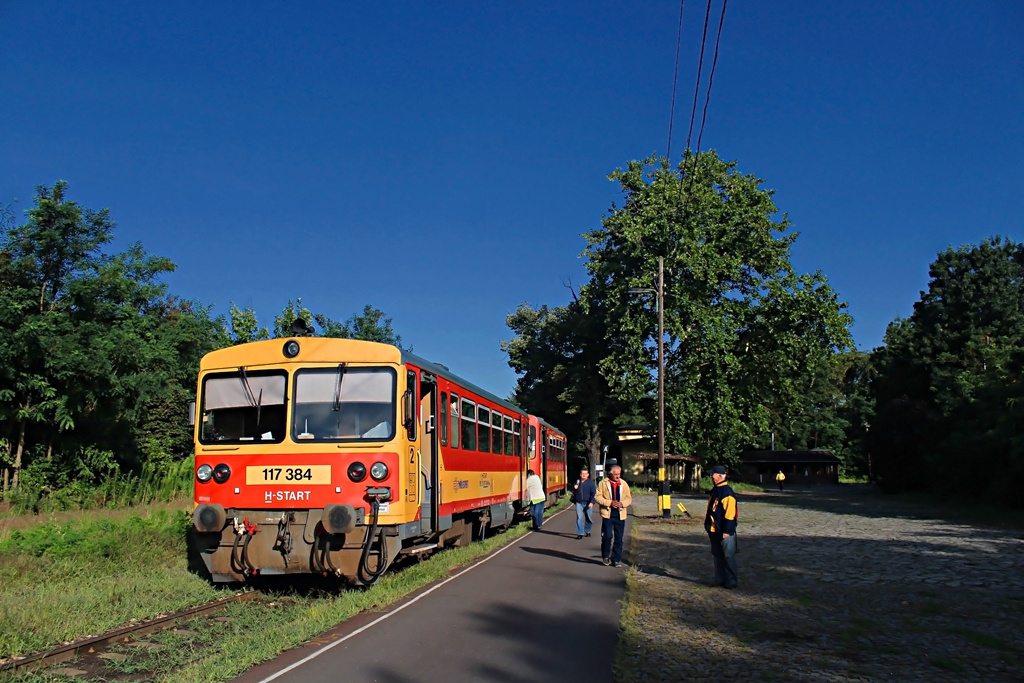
[[664, 495]]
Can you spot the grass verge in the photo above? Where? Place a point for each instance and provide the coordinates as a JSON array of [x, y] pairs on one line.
[[629, 615]]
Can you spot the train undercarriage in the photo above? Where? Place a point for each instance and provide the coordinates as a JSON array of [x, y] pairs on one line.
[[340, 541]]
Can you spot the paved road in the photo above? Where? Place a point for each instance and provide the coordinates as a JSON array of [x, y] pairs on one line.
[[542, 609]]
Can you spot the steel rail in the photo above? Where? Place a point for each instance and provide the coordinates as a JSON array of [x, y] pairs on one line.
[[71, 650]]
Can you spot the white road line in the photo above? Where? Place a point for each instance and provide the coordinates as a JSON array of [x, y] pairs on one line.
[[398, 609]]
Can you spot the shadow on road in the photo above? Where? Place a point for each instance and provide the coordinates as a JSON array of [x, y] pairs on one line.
[[561, 555]]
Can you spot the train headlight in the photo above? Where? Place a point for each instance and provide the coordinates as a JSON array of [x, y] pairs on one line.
[[291, 349], [204, 473], [221, 473], [357, 471], [379, 471]]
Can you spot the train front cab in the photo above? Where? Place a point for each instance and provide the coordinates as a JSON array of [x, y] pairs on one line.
[[303, 451]]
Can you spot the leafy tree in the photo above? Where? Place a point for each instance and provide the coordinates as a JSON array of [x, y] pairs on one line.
[[331, 328], [855, 410], [90, 345], [245, 326], [42, 260], [953, 360], [182, 333], [556, 352], [750, 343], [372, 325], [751, 346], [292, 311]]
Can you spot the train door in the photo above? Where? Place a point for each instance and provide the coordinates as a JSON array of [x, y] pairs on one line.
[[531, 454], [544, 452], [429, 466]]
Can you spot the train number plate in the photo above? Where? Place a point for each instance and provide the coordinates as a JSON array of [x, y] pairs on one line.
[[290, 474]]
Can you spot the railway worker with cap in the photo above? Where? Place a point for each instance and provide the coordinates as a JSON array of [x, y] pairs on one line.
[[781, 478], [535, 494], [614, 499], [583, 494], [720, 523]]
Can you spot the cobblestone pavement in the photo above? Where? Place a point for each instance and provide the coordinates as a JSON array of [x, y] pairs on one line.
[[832, 588]]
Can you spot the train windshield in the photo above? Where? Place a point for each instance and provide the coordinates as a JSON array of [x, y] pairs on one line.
[[344, 404], [241, 406]]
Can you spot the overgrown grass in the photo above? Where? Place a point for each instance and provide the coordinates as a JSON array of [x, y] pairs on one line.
[[116, 489], [62, 581]]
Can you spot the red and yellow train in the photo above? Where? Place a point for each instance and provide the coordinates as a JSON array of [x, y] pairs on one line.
[[336, 456]]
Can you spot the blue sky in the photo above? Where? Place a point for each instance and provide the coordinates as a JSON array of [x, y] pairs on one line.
[[440, 160]]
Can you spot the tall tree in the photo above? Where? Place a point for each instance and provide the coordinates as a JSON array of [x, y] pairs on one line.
[[855, 411], [74, 325], [245, 326], [372, 325], [952, 360], [556, 352], [59, 242], [751, 345], [748, 341], [293, 310]]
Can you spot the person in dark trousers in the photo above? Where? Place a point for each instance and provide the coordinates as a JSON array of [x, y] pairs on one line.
[[614, 499], [720, 523], [535, 494], [781, 478], [583, 494]]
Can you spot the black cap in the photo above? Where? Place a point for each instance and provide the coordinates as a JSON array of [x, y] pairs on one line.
[[717, 469]]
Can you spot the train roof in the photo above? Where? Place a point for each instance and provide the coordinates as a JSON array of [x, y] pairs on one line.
[[443, 371], [549, 425]]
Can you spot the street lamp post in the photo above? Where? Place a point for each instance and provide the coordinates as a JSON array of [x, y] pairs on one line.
[[664, 488]]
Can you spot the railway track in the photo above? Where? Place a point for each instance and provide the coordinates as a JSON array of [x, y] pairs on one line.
[[95, 646]]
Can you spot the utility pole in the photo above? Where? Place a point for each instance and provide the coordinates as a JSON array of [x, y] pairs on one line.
[[664, 487]]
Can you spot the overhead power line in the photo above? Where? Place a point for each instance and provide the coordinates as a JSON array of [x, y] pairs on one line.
[[711, 76], [675, 81], [700, 68]]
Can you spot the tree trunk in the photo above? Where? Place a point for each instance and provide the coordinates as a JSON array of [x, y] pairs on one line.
[[18, 453], [592, 443]]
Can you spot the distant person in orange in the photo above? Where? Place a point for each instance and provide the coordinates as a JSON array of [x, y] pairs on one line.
[[780, 478]]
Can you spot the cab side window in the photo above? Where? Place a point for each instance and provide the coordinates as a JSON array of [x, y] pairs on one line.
[[454, 417]]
